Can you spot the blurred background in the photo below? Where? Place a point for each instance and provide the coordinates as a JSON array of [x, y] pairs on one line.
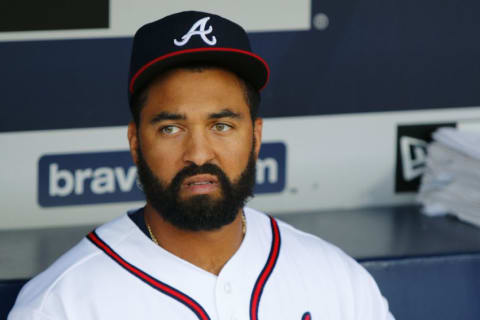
[[356, 90]]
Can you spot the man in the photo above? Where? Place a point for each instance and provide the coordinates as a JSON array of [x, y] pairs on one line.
[[194, 251]]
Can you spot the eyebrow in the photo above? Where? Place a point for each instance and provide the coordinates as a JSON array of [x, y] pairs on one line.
[[162, 116], [225, 113]]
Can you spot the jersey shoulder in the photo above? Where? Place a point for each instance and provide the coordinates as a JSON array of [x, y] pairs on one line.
[[310, 242], [318, 253], [37, 292], [296, 240]]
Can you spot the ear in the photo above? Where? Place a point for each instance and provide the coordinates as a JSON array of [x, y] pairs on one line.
[[257, 133], [133, 140]]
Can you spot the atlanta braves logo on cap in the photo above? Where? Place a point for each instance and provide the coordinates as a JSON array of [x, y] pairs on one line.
[[198, 29]]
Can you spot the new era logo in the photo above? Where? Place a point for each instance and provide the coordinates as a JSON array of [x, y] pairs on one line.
[[199, 28], [412, 142], [414, 155]]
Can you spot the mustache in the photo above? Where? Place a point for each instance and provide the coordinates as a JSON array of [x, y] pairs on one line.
[[193, 169]]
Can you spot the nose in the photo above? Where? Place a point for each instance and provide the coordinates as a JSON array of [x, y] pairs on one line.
[[198, 149]]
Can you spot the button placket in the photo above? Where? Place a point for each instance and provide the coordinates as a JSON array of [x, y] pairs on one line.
[[226, 299], [227, 287]]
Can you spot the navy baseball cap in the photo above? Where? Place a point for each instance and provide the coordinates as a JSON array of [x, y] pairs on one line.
[[193, 37]]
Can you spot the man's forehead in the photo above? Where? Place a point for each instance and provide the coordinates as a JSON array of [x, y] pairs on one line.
[[195, 69], [192, 91]]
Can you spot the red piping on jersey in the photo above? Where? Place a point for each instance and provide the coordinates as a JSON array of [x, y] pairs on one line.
[[176, 53], [157, 284], [266, 272]]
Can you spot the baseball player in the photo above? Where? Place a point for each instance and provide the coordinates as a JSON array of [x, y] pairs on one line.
[[194, 251]]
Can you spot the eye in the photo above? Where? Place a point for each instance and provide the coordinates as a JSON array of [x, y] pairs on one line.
[[221, 127], [168, 130]]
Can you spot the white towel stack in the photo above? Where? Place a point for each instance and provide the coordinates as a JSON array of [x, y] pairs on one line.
[[451, 182]]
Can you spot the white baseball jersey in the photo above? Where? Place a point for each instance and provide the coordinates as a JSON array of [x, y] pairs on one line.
[[278, 272]]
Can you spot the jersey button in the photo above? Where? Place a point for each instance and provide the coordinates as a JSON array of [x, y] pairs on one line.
[[227, 287]]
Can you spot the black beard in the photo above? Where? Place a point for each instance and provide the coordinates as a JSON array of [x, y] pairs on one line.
[[199, 212]]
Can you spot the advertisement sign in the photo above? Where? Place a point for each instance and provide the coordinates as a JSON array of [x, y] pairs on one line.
[[104, 177]]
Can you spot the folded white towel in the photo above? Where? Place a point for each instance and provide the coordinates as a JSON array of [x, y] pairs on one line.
[[451, 181]]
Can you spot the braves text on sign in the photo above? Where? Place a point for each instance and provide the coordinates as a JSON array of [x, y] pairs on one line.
[[271, 168], [105, 177]]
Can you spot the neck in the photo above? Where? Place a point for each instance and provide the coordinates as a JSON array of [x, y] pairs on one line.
[[208, 250]]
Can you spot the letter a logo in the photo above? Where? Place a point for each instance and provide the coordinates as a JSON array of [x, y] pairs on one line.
[[198, 29]]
